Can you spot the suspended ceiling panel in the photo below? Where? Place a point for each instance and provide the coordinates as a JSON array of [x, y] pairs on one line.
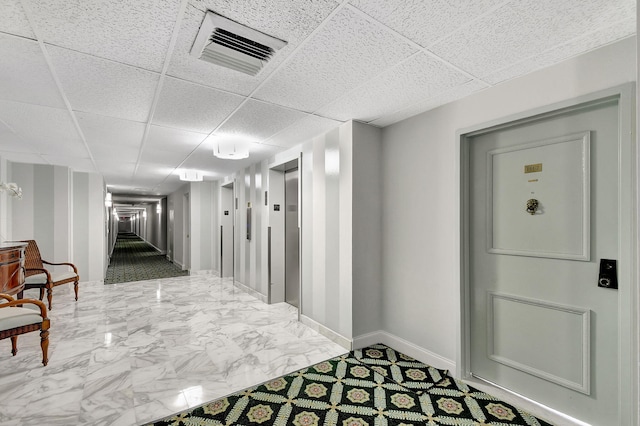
[[425, 22], [291, 21], [113, 152], [258, 121], [78, 164], [346, 52], [100, 129], [39, 126], [13, 19], [457, 92], [104, 87], [21, 157], [495, 41], [426, 75], [573, 48], [293, 134], [131, 32], [192, 106], [175, 140], [25, 75]]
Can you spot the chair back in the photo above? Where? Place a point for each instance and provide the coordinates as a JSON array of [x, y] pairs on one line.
[[32, 258]]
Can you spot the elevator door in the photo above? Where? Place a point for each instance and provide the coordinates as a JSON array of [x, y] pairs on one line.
[[291, 244]]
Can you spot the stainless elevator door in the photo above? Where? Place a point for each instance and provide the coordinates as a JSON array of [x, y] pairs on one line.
[[291, 244]]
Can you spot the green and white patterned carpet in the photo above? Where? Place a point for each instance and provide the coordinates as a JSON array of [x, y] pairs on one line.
[[135, 260], [372, 386]]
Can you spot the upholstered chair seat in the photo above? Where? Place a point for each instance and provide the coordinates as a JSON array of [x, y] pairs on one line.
[[16, 319]]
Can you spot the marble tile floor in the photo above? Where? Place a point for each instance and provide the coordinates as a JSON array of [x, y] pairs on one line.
[[130, 353]]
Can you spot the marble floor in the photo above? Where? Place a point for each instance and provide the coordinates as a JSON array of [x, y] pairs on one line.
[[130, 353]]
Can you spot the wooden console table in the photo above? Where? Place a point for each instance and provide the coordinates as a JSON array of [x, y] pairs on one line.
[[12, 267]]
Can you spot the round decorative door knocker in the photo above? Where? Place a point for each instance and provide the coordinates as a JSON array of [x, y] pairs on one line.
[[532, 206]]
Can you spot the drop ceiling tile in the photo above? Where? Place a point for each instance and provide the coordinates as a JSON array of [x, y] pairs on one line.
[[39, 125], [302, 131], [454, 94], [160, 158], [288, 20], [110, 152], [174, 140], [104, 87], [348, 51], [131, 32], [522, 29], [417, 78], [113, 168], [78, 164], [558, 54], [258, 121], [425, 22], [13, 19], [24, 74], [115, 132], [193, 107]]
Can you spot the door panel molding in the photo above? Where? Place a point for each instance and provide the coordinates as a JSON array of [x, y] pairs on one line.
[[517, 235], [574, 371]]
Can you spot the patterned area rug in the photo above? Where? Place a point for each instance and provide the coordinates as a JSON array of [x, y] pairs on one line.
[[135, 260], [373, 386]]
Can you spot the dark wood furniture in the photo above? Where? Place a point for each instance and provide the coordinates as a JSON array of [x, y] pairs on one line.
[[37, 276], [12, 257], [16, 320]]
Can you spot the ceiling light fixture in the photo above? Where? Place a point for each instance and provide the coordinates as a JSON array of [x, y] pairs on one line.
[[191, 176], [232, 45], [230, 149]]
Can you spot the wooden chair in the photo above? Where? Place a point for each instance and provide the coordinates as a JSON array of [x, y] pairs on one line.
[[37, 276], [16, 320]]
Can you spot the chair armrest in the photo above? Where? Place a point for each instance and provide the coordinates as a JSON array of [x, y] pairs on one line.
[[7, 297], [63, 264], [20, 302], [40, 270]]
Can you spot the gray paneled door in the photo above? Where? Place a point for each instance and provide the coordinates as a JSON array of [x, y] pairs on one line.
[[292, 235], [539, 323]]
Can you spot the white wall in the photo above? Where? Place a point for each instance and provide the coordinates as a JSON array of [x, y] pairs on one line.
[[420, 297], [88, 226], [63, 211]]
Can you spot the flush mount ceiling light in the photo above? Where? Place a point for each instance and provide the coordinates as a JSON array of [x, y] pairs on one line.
[[191, 176], [230, 149], [232, 45]]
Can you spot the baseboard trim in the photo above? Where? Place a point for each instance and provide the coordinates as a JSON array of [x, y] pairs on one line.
[[406, 347], [326, 332], [205, 272], [251, 291]]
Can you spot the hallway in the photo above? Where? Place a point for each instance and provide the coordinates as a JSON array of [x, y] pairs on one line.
[[135, 260], [126, 354]]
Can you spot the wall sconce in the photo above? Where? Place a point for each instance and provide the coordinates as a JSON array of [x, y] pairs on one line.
[[159, 208], [144, 214], [108, 202], [191, 176]]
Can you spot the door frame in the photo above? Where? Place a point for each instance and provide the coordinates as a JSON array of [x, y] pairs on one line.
[[627, 230]]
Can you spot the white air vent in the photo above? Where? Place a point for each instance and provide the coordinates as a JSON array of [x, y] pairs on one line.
[[232, 45]]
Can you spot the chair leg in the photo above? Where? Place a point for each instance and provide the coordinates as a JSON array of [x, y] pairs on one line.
[[44, 344], [14, 345], [41, 293], [75, 288], [49, 295]]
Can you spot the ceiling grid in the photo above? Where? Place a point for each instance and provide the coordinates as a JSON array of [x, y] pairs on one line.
[[111, 86]]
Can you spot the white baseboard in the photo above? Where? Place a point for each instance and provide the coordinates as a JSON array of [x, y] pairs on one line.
[[251, 291], [406, 347], [205, 272], [326, 332]]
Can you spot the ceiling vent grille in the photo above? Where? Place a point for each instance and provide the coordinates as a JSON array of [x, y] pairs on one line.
[[232, 45]]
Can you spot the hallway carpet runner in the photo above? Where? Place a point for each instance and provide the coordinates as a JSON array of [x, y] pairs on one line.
[[135, 260], [372, 386]]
